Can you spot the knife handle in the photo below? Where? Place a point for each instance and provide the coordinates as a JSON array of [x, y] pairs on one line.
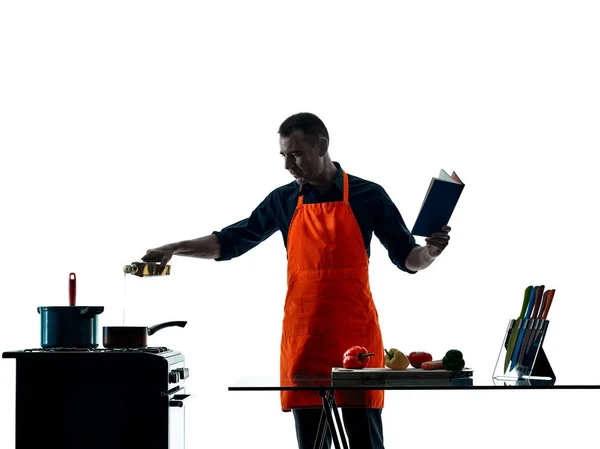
[[548, 304], [526, 297], [536, 306], [543, 303], [539, 292], [531, 301]]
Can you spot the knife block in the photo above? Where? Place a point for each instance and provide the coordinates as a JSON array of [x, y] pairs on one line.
[[523, 348]]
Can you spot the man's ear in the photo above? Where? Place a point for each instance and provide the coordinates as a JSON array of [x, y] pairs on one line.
[[323, 145]]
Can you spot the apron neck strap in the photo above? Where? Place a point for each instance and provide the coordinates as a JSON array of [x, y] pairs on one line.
[[345, 186], [344, 174]]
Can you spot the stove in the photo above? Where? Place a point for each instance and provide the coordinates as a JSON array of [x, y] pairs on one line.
[[80, 398]]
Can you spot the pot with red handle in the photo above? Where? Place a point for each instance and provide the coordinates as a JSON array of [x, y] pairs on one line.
[[70, 326]]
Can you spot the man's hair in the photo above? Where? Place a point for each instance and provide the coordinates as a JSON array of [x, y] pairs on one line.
[[308, 123]]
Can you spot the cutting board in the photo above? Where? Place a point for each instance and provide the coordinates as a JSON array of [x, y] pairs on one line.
[[408, 377]]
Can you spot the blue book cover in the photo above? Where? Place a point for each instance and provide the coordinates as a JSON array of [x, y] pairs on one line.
[[439, 203]]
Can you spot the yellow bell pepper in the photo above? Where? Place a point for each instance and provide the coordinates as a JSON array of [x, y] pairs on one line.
[[395, 359]]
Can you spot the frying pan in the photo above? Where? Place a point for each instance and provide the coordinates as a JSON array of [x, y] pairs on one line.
[[132, 336]]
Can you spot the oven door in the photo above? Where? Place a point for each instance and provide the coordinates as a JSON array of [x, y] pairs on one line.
[[177, 404]]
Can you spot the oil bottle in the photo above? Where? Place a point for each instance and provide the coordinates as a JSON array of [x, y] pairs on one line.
[[144, 269]]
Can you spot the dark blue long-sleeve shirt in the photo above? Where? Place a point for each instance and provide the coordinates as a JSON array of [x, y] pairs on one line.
[[373, 208]]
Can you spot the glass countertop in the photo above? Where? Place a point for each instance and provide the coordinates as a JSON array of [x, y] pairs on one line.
[[478, 381]]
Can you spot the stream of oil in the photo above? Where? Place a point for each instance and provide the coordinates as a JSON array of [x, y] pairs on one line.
[[124, 295]]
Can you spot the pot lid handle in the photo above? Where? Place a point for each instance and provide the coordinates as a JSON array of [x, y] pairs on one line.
[[72, 289], [91, 311]]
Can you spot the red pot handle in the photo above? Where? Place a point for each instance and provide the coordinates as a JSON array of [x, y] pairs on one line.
[[72, 288]]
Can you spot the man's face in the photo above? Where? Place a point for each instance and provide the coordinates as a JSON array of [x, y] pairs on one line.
[[302, 159]]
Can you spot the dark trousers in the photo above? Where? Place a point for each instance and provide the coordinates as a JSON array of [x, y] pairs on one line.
[[363, 427]]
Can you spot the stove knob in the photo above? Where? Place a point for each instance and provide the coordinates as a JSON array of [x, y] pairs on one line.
[[174, 377], [184, 373]]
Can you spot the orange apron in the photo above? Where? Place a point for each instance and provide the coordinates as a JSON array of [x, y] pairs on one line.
[[329, 306]]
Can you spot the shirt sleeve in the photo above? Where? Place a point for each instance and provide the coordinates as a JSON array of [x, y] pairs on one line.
[[392, 232], [241, 237]]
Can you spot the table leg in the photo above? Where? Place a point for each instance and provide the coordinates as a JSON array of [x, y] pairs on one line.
[[327, 422], [338, 420], [321, 431], [326, 395]]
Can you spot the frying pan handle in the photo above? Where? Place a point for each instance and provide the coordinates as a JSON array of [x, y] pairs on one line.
[[72, 288], [154, 329]]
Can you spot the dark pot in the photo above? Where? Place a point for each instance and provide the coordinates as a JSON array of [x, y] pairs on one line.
[[70, 326]]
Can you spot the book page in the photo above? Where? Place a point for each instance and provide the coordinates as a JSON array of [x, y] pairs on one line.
[[455, 176], [445, 177]]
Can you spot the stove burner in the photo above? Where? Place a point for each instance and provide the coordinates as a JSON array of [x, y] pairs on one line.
[[153, 350]]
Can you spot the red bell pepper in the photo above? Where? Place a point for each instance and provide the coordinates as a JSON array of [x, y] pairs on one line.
[[356, 357]]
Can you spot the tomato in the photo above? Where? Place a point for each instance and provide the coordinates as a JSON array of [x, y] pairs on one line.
[[418, 358]]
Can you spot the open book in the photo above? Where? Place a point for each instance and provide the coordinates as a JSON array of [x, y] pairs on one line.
[[438, 205]]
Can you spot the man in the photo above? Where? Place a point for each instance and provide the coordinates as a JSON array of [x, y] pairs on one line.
[[327, 219]]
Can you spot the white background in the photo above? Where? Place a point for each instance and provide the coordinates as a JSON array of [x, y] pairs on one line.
[[127, 125]]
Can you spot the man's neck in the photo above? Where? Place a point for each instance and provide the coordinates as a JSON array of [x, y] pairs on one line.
[[323, 184]]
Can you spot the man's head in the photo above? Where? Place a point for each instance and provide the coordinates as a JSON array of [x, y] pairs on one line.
[[304, 140]]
